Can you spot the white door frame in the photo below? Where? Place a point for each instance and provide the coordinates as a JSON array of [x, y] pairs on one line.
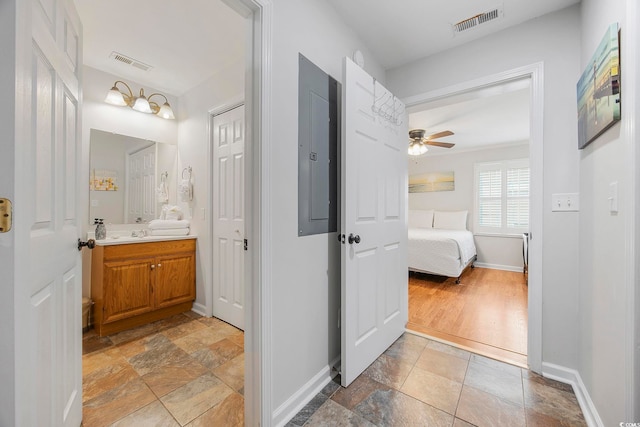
[[258, 376], [534, 72]]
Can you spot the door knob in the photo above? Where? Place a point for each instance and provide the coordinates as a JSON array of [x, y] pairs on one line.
[[353, 239], [89, 243]]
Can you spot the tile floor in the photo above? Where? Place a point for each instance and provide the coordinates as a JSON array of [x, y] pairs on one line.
[[420, 382], [186, 370]]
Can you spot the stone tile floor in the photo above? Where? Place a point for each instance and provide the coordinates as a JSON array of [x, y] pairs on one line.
[[189, 371], [186, 370], [420, 382]]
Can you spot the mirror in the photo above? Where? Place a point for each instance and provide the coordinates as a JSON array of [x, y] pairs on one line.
[[130, 178]]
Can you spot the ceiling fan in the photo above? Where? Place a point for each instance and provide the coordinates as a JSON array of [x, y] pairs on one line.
[[418, 142]]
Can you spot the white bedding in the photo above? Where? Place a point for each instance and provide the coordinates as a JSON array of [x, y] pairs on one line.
[[442, 252]]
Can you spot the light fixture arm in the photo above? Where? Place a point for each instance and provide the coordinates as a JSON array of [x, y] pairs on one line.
[[127, 97], [154, 105]]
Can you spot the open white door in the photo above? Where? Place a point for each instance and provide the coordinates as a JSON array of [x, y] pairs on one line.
[[228, 216], [47, 274], [374, 221]]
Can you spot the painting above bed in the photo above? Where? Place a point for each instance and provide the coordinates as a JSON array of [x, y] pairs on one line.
[[432, 181]]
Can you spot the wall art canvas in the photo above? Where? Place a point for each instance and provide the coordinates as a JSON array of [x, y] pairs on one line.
[[599, 89], [433, 181]]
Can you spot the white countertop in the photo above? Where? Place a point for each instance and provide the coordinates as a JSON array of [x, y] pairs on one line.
[[125, 240]]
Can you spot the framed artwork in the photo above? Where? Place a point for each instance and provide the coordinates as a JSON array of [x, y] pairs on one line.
[[103, 180], [598, 89], [433, 181]]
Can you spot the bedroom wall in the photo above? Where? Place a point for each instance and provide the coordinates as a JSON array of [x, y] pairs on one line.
[[494, 252], [606, 297], [553, 39]]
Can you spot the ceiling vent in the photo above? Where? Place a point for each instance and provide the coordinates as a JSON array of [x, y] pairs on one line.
[[124, 59], [479, 19]]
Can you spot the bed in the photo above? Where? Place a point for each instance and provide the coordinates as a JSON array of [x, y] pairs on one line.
[[439, 243]]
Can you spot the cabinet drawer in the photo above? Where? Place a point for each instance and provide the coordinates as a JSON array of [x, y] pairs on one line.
[[140, 250]]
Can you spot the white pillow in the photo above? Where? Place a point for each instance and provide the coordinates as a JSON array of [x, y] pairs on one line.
[[450, 220], [420, 218]]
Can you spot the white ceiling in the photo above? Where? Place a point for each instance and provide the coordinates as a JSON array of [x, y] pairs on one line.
[[185, 44], [402, 31], [487, 117]]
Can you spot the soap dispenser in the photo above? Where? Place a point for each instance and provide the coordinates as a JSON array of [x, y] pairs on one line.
[[101, 230]]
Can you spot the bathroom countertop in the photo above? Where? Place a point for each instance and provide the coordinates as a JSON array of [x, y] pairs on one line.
[[125, 240]]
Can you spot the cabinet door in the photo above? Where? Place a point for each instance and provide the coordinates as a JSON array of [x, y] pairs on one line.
[[127, 288], [175, 279]]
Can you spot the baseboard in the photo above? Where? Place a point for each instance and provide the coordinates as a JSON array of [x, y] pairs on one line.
[[571, 376], [514, 268], [300, 398], [201, 309]]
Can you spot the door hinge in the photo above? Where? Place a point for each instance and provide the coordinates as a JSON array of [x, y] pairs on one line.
[[246, 244], [5, 215]]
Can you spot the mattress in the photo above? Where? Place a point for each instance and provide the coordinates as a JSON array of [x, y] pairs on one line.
[[442, 252]]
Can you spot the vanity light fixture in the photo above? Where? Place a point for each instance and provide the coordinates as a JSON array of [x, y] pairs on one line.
[[140, 103]]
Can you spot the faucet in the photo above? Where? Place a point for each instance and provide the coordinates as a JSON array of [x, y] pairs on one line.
[[139, 233]]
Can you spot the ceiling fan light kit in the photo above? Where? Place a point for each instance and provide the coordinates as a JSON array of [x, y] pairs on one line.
[[418, 142]]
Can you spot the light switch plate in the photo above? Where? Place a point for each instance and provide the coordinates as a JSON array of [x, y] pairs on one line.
[[565, 202]]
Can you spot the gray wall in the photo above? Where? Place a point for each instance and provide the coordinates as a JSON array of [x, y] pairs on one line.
[[555, 40], [493, 251]]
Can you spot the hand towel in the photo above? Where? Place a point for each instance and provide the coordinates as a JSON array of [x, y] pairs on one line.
[[171, 232], [185, 190], [164, 224]]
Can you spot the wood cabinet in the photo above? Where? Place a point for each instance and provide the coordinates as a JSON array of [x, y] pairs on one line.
[[137, 283]]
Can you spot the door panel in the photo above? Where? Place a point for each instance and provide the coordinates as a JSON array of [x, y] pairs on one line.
[[228, 221], [374, 200]]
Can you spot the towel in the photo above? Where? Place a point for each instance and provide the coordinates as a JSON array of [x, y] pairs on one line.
[[171, 212], [162, 193], [185, 190], [167, 224], [171, 232]]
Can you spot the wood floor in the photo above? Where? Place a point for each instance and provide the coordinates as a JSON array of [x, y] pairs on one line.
[[486, 313]]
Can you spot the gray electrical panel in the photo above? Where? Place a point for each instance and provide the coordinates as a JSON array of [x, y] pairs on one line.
[[318, 138]]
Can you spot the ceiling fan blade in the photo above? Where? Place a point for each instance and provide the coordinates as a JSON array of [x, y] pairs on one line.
[[439, 144], [440, 134]]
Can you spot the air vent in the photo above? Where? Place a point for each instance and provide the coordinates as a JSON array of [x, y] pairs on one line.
[[479, 19], [124, 59]]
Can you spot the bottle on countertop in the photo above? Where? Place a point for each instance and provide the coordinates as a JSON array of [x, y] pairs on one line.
[[101, 230]]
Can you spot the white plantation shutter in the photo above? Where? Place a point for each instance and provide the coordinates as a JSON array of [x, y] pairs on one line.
[[502, 197]]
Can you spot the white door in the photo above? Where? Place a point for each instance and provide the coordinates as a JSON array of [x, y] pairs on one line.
[[374, 224], [228, 216], [47, 286], [141, 179]]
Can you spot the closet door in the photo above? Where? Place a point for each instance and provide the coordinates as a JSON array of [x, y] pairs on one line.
[[228, 216]]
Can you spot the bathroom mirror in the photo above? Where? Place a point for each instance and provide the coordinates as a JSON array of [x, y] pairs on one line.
[[130, 178]]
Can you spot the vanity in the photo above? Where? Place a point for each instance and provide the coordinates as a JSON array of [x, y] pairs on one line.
[[138, 280]]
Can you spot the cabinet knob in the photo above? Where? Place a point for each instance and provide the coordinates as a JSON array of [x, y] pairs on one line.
[[153, 266], [159, 265]]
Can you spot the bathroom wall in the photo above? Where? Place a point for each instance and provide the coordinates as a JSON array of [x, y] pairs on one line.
[[96, 114]]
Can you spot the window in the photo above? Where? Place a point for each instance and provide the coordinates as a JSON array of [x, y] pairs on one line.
[[502, 197]]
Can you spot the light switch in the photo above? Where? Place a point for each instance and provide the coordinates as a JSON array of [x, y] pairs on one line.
[[613, 197], [565, 202]]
